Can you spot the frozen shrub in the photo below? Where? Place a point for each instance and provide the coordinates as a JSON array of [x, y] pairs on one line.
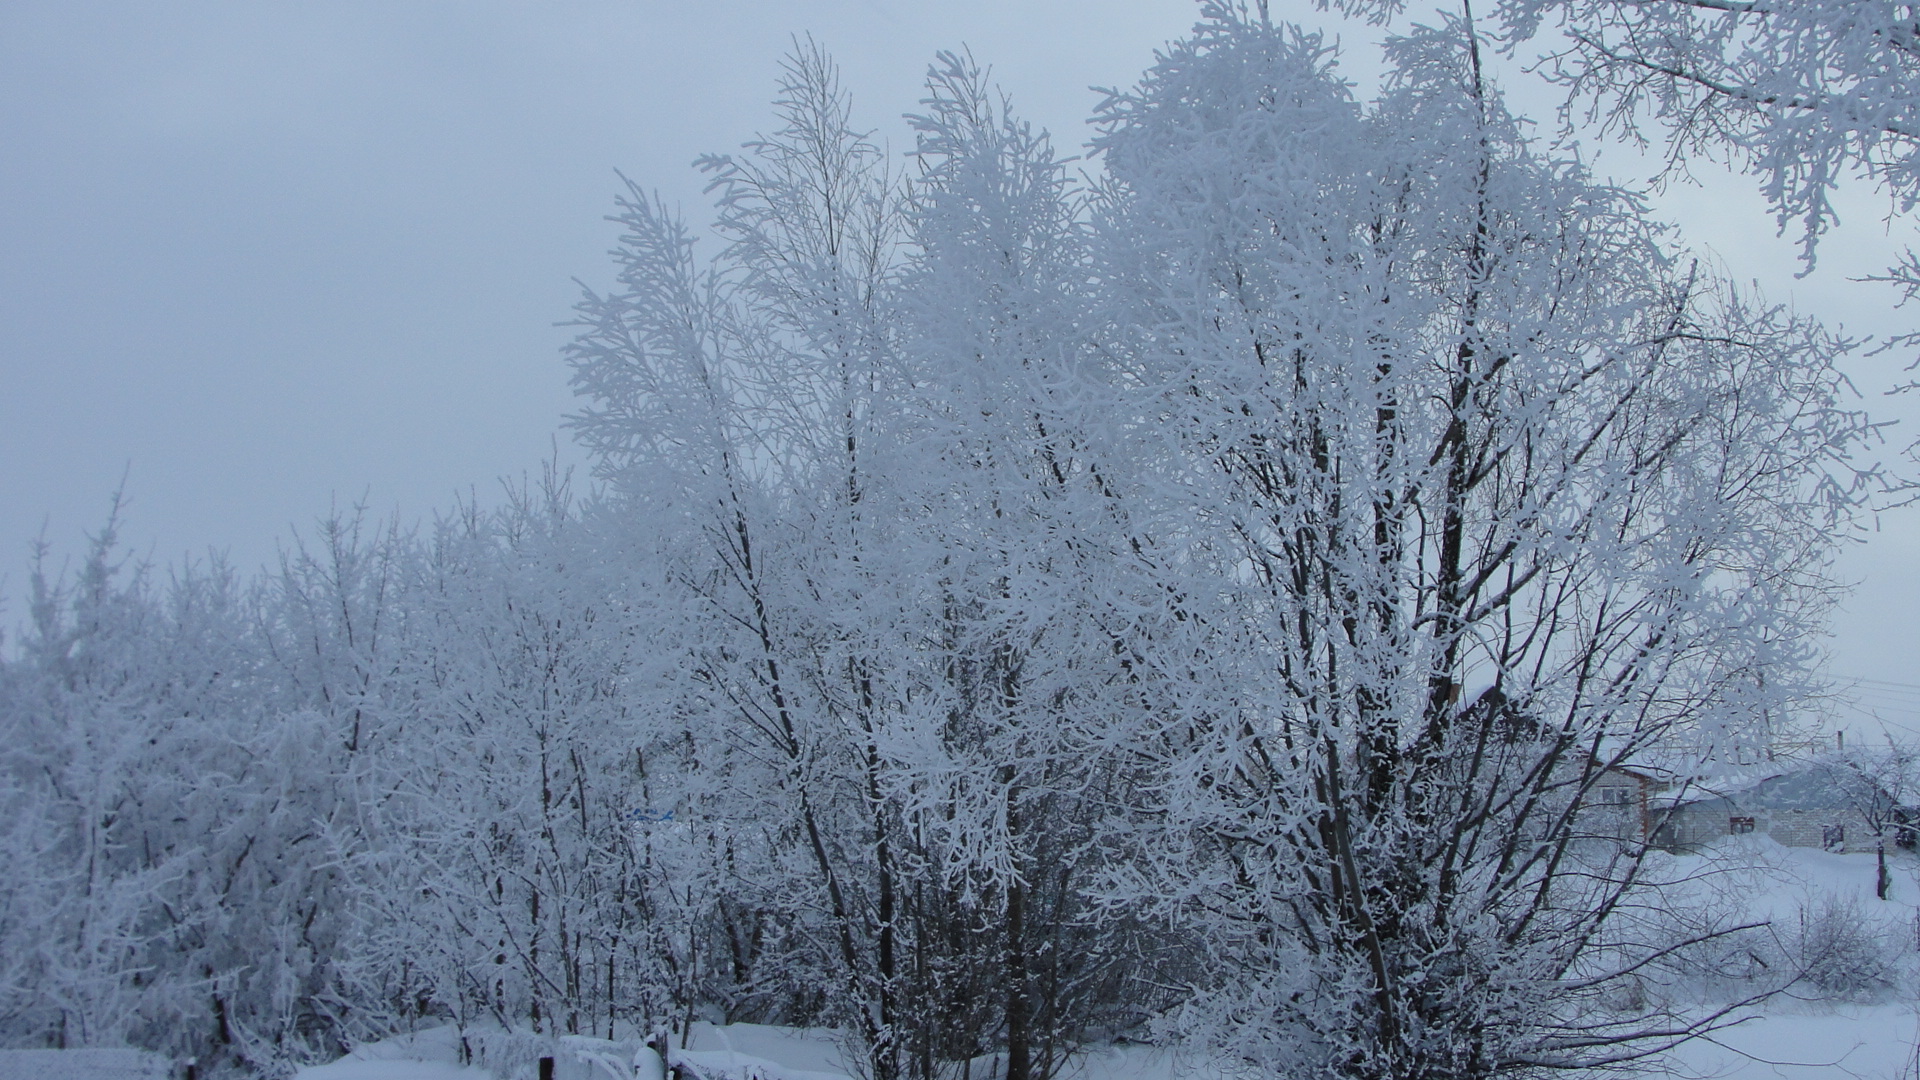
[[1839, 951]]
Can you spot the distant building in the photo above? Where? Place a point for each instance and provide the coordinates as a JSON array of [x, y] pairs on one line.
[[1619, 799], [1806, 807], [1800, 805], [1620, 804]]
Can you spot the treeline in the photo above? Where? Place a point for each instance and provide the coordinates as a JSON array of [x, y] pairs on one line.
[[1015, 612], [411, 779]]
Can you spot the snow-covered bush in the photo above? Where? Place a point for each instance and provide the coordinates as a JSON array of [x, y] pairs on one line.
[[1837, 949], [1748, 920]]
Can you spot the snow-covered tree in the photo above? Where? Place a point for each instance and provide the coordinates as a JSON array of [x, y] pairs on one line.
[[91, 747], [172, 887], [1020, 539], [493, 873], [1489, 492], [1878, 783], [889, 550], [1803, 94], [734, 409]]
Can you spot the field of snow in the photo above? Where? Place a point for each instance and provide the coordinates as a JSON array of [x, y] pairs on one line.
[[430, 1055], [1872, 1042], [1797, 1035]]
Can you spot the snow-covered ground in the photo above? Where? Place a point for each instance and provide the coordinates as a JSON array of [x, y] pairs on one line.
[[1873, 1042], [1797, 1035], [430, 1055], [734, 1052], [1794, 1036]]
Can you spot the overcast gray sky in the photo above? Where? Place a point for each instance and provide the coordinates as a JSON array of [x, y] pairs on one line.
[[267, 256]]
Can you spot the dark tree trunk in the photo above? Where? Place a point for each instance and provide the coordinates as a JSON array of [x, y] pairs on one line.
[[1019, 1003]]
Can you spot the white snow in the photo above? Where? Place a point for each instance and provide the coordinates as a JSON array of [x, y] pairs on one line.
[[89, 1063], [350, 1069], [1792, 1037], [761, 1052], [1874, 1042], [433, 1054]]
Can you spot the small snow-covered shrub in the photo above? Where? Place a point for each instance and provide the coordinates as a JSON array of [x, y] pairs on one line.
[[1830, 948], [1838, 950], [1748, 919]]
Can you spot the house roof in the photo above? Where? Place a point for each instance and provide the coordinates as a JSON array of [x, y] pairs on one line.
[[1799, 789]]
